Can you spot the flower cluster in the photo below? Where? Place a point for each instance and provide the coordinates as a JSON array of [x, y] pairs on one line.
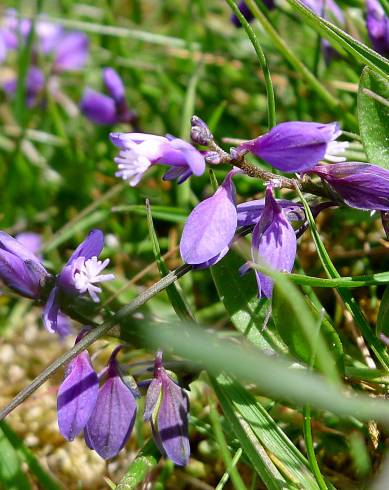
[[68, 51], [107, 109], [104, 408], [22, 271]]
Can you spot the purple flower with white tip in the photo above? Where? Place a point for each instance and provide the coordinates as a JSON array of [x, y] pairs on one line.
[[211, 226], [297, 146], [377, 23], [77, 396], [273, 244], [20, 269], [360, 185], [107, 109], [113, 417], [139, 151], [167, 408], [81, 274]]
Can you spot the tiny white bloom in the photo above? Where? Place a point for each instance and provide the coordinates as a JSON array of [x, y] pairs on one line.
[[88, 275], [132, 165]]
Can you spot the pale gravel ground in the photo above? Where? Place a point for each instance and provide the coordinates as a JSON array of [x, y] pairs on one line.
[[24, 352]]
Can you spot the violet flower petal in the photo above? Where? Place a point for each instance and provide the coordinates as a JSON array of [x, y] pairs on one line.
[[72, 52], [152, 398], [114, 84], [273, 243], [377, 24], [90, 247], [250, 212], [51, 311], [113, 418], [172, 422], [77, 396], [293, 146], [98, 108], [360, 185], [210, 226], [193, 157], [30, 240]]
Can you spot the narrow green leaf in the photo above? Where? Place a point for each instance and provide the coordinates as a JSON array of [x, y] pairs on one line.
[[251, 445], [290, 329], [45, 480], [11, 473], [240, 298], [251, 421], [164, 213], [138, 470], [174, 292], [373, 117], [383, 314]]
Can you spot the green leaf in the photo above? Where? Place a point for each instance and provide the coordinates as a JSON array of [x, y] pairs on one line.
[[240, 298], [383, 314], [138, 470], [11, 473], [373, 116], [45, 480], [174, 292], [294, 336], [275, 458], [164, 213]]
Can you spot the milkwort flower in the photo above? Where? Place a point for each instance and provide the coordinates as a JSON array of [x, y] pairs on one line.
[[68, 51], [139, 151], [80, 275], [113, 417], [377, 23], [77, 395], [107, 109], [297, 146], [211, 226], [167, 408], [273, 243], [360, 185], [20, 269]]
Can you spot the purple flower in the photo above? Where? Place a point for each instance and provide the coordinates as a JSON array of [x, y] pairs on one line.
[[249, 213], [360, 185], [71, 53], [273, 243], [167, 408], [104, 109], [20, 269], [80, 275], [211, 226], [30, 240], [327, 9], [246, 12], [35, 83], [77, 396], [297, 146], [377, 24], [139, 151], [112, 420]]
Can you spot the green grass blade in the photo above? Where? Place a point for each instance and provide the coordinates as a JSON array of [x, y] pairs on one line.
[[176, 297], [375, 344], [147, 459]]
